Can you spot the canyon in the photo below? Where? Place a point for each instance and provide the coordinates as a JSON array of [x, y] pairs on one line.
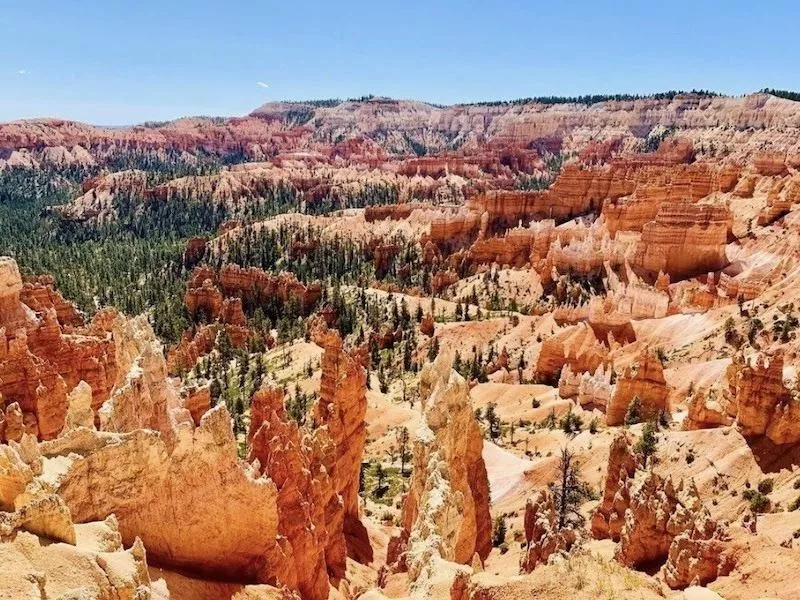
[[380, 349]]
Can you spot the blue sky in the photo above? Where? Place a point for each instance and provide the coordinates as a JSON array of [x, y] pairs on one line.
[[106, 63]]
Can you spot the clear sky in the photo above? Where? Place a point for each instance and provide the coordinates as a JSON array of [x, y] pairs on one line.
[[105, 63]]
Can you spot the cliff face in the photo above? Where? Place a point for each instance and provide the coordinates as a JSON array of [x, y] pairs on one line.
[[655, 196], [284, 455], [166, 467], [47, 555], [684, 240], [575, 192], [654, 519], [576, 346], [194, 505], [339, 416], [372, 128], [542, 536], [568, 126], [609, 517], [207, 288], [446, 510], [40, 296], [665, 520], [753, 395], [43, 358], [647, 384]]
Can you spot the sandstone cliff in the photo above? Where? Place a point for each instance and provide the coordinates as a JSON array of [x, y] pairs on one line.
[[542, 536], [44, 356]]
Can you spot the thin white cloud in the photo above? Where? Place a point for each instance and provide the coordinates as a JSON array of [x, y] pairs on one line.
[[22, 72], [262, 84]]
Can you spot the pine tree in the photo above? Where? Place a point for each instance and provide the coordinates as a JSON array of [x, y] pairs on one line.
[[569, 493], [647, 444]]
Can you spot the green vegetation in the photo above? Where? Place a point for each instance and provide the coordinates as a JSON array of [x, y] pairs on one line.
[[786, 94], [571, 423], [499, 531], [758, 502], [135, 261], [569, 492], [595, 98], [383, 484], [634, 413], [647, 445]]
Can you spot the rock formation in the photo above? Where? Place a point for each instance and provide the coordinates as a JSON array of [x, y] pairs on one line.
[[609, 517], [446, 510], [340, 433], [751, 393], [684, 239], [167, 467], [304, 493], [654, 519], [542, 536], [36, 565], [575, 346], [40, 296], [590, 390], [698, 555], [249, 284], [45, 553], [42, 359], [646, 382]]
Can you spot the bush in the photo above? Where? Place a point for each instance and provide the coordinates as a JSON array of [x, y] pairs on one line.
[[758, 501], [571, 423], [765, 486], [499, 531], [646, 446], [549, 421], [634, 413]]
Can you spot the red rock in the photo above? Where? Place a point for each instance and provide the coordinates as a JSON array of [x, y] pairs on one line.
[[395, 212], [576, 346], [654, 519], [542, 536], [40, 295], [231, 312], [646, 382], [257, 285], [770, 164], [194, 251], [427, 325], [609, 517], [197, 400], [684, 239], [752, 393], [205, 299], [191, 347], [339, 415], [304, 492]]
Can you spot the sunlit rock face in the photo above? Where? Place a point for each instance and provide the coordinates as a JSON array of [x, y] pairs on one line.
[[446, 510], [46, 351]]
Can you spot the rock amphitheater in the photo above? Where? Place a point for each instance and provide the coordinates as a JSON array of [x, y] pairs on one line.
[[589, 390]]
